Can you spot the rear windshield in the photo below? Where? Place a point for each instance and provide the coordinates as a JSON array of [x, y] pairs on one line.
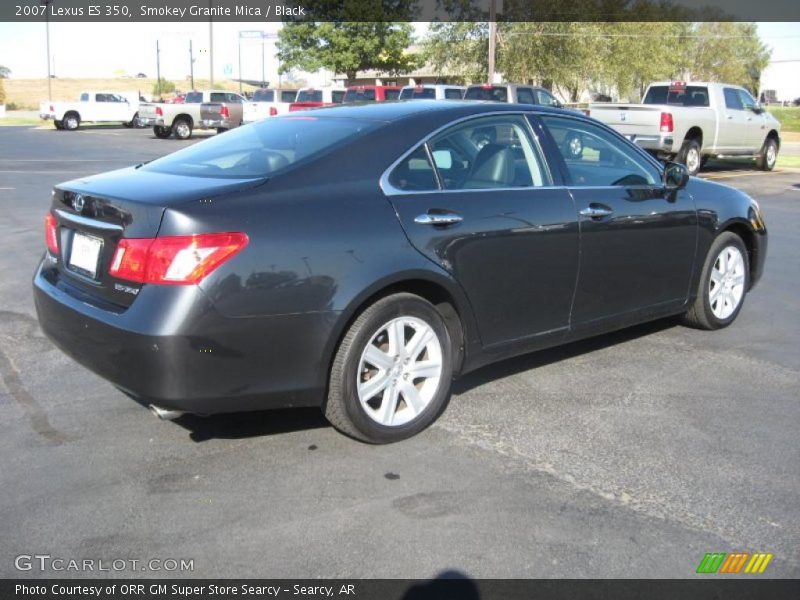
[[417, 94], [692, 95], [359, 96], [264, 96], [391, 94], [494, 93], [309, 96], [260, 149], [288, 95], [193, 98]]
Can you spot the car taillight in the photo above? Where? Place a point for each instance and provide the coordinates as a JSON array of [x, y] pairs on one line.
[[224, 112], [51, 233], [159, 112], [174, 260], [273, 111], [666, 122]]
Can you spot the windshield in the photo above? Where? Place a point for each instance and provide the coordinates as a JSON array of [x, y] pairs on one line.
[[260, 149], [494, 94], [691, 95]]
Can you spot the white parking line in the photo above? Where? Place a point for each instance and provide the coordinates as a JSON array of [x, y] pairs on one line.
[[7, 188]]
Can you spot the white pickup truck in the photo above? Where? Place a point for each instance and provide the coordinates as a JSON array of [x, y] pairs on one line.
[[94, 107], [690, 122], [267, 102], [181, 119]]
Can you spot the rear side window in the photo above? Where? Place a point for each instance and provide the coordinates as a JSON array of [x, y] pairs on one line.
[[732, 99], [525, 96], [309, 96], [493, 94], [264, 96], [453, 94], [193, 98], [261, 149], [599, 158], [415, 173]]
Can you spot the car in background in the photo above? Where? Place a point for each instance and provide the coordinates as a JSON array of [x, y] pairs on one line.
[[181, 119], [428, 91], [267, 268], [693, 121], [93, 107], [223, 114], [268, 102], [512, 93], [317, 97], [371, 93]]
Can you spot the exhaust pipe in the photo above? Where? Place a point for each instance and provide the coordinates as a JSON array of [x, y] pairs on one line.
[[164, 414]]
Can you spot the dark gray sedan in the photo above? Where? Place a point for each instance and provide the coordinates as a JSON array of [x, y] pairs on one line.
[[360, 258]]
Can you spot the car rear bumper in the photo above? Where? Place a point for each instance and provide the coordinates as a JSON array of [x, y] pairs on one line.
[[171, 348], [653, 143], [216, 123], [151, 121]]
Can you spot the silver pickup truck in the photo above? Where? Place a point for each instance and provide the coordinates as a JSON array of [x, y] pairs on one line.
[[690, 122], [181, 119]]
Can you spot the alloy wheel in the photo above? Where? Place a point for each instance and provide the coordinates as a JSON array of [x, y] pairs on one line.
[[399, 371], [726, 285]]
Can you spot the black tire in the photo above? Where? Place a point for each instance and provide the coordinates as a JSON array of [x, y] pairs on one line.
[[700, 314], [59, 125], [162, 132], [768, 156], [182, 128], [71, 121], [343, 407], [221, 130], [690, 153]]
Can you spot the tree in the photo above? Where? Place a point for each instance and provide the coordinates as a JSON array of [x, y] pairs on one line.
[[458, 49], [163, 86], [2, 93]]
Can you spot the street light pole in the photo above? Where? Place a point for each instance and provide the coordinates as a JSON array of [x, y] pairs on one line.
[[47, 29], [211, 46], [191, 65], [492, 38]]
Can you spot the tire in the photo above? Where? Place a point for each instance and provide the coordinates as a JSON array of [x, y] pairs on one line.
[[768, 156], [713, 312], [59, 125], [690, 153], [162, 132], [381, 413], [72, 121], [573, 145], [182, 129]]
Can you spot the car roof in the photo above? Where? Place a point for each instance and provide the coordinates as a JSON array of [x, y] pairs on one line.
[[433, 86], [394, 111]]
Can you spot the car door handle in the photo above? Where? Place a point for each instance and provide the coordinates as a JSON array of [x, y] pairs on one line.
[[440, 218], [596, 212]]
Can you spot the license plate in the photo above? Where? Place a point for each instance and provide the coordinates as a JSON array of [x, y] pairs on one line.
[[85, 254]]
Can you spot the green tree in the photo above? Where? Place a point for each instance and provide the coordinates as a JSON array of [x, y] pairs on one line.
[[458, 50], [163, 86], [2, 93]]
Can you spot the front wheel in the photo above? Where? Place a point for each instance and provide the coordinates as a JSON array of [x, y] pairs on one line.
[[391, 375], [768, 155], [724, 282]]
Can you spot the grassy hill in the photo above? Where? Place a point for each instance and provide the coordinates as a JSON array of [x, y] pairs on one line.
[[26, 94]]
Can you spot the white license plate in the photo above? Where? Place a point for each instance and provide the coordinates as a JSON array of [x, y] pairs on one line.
[[85, 253]]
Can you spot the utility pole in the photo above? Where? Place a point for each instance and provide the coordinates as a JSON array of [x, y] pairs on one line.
[[263, 71], [191, 65], [158, 69], [239, 37], [211, 46], [492, 37], [47, 29]]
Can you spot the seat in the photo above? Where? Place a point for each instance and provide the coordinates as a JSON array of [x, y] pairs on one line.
[[493, 168]]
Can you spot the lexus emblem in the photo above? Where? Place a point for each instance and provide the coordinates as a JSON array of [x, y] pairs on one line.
[[78, 203], [622, 116]]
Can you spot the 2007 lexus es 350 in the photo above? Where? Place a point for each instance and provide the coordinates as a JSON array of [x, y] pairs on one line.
[[359, 258]]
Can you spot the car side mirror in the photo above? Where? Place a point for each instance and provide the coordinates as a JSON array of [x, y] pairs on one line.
[[757, 108], [676, 176]]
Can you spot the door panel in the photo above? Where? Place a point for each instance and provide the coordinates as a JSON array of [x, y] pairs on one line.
[[637, 241]]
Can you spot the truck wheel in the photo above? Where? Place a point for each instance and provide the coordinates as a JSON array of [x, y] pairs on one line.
[[182, 129], [162, 132], [768, 156], [59, 125], [690, 156], [71, 121]]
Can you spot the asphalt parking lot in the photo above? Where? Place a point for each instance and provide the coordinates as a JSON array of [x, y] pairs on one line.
[[628, 455]]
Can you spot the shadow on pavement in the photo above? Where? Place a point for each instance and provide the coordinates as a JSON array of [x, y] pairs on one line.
[[236, 426]]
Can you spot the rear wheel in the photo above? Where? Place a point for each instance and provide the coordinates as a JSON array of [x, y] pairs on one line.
[[768, 155], [71, 121], [724, 282], [391, 376], [162, 132], [182, 129], [690, 156]]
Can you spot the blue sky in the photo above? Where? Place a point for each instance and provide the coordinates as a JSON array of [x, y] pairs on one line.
[[98, 50]]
